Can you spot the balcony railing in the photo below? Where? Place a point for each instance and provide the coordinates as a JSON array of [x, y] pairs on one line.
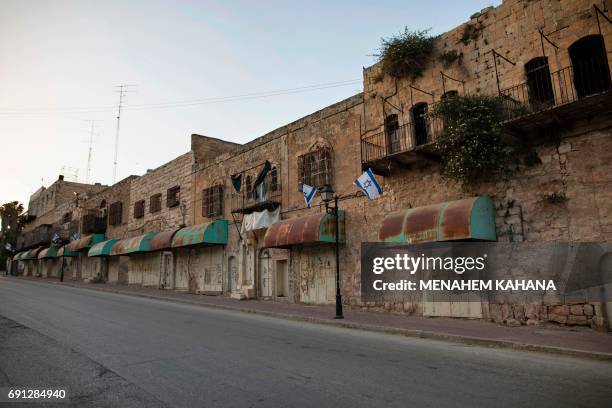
[[408, 137], [93, 224], [266, 196], [546, 90]]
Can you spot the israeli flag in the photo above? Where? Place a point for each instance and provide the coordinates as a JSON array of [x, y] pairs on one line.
[[56, 237], [75, 236], [8, 246], [309, 193], [368, 184]]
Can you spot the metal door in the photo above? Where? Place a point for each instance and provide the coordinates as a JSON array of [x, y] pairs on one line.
[[265, 273]]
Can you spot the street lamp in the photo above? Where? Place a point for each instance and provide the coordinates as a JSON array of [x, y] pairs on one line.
[[327, 195]]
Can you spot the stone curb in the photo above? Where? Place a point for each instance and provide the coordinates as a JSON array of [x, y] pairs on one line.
[[423, 334]]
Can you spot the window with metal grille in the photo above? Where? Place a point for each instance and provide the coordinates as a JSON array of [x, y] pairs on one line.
[[173, 196], [155, 203], [139, 209], [212, 201], [273, 179], [66, 218], [115, 213], [315, 168]]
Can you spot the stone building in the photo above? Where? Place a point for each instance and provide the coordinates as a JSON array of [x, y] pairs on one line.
[[228, 218]]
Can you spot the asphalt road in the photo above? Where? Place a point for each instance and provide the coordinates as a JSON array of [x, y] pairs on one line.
[[161, 353]]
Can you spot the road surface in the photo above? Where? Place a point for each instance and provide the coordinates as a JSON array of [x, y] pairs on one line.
[[116, 350]]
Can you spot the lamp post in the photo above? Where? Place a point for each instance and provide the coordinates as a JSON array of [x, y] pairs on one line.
[[327, 195]]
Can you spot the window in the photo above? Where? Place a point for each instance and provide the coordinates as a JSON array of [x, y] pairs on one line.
[[139, 209], [392, 133], [248, 186], [273, 179], [115, 213], [419, 123], [212, 201], [315, 168], [173, 197], [66, 218], [155, 203], [590, 65], [538, 81]]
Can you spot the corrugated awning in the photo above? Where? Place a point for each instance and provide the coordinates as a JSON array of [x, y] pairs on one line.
[[467, 219], [141, 243], [163, 240], [31, 254], [19, 255], [85, 242], [66, 253], [102, 248], [313, 229], [47, 253], [211, 233]]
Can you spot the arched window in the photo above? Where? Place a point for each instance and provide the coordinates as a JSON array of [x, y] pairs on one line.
[[419, 123], [392, 133], [539, 83], [590, 65], [103, 210]]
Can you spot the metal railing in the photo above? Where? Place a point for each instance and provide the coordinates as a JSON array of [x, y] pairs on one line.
[[250, 198], [404, 138], [545, 90]]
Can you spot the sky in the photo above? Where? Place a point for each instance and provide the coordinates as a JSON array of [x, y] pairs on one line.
[[190, 64]]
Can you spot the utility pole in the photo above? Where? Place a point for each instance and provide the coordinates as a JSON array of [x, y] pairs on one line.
[[122, 91]]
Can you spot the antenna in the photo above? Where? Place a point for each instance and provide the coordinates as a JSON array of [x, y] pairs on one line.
[[123, 89], [70, 173], [91, 135]]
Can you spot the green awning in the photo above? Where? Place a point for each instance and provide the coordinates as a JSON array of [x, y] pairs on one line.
[[31, 254], [85, 242], [47, 253], [211, 233], [133, 245], [66, 253], [467, 219], [318, 228], [102, 248], [18, 256]]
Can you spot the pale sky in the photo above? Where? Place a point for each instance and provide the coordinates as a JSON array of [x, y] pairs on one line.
[[61, 60]]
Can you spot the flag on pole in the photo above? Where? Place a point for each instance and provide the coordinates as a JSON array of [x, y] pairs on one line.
[[8, 246], [368, 184], [74, 236], [55, 237], [309, 193]]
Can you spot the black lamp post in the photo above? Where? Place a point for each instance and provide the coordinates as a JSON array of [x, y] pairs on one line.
[[327, 195]]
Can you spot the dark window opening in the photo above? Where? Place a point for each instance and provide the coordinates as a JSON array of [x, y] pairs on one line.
[[139, 209], [419, 123], [539, 83], [315, 168], [66, 218], [590, 65], [115, 213], [273, 179], [173, 197], [248, 186], [392, 133], [155, 203], [212, 201]]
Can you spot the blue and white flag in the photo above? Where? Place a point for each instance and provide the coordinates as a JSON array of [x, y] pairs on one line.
[[74, 236], [55, 237], [8, 246], [309, 193], [368, 184]]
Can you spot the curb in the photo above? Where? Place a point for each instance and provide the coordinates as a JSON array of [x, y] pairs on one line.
[[423, 334]]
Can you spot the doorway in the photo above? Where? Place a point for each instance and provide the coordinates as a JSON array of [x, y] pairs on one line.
[[265, 274], [282, 278], [232, 274], [167, 275], [590, 65]]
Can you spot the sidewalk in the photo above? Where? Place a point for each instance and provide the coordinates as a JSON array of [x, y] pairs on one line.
[[578, 342]]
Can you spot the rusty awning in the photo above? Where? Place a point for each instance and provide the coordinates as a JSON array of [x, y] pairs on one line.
[[101, 248], [31, 254], [48, 253], [312, 229], [66, 253], [210, 233], [163, 240], [467, 219], [85, 242], [134, 245]]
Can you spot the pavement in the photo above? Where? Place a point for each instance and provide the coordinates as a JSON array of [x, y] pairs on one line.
[[184, 355], [577, 341]]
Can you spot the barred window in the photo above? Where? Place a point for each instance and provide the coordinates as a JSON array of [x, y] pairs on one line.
[[155, 203], [315, 168], [139, 209], [273, 179], [66, 218], [173, 196], [212, 201], [115, 213]]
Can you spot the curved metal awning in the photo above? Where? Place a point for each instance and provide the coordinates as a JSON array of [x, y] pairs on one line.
[[31, 254], [19, 255], [66, 253], [163, 240], [85, 242], [102, 248], [467, 219], [312, 229], [134, 245], [48, 253], [211, 233]]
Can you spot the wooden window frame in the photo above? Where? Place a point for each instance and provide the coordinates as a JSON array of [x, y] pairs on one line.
[[139, 209], [115, 213], [315, 168], [212, 201], [155, 203], [173, 197]]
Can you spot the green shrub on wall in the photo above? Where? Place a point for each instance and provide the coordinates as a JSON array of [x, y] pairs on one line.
[[406, 55], [471, 145]]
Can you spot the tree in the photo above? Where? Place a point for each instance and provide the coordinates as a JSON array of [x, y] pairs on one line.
[[11, 214]]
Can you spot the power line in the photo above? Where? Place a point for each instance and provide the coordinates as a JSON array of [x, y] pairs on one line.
[[180, 104]]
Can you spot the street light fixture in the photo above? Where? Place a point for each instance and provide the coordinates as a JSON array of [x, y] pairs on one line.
[[327, 195]]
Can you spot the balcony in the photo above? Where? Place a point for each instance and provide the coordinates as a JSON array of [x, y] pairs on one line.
[[559, 98], [400, 147], [41, 235], [93, 224], [266, 197]]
